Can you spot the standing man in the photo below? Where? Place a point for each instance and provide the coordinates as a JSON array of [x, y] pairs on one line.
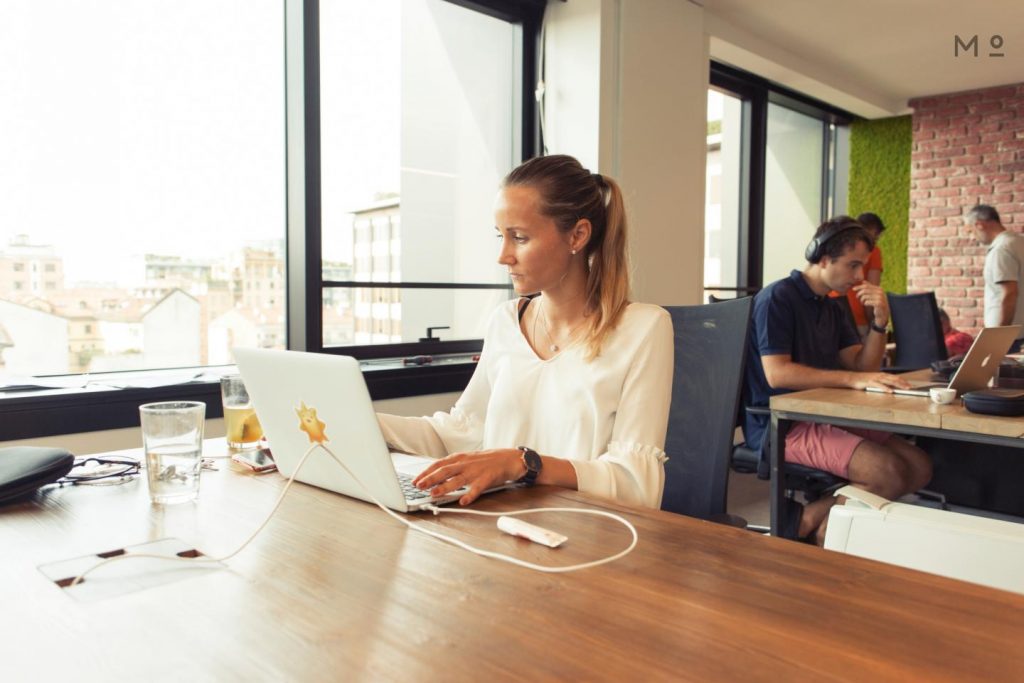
[[1004, 268], [802, 339]]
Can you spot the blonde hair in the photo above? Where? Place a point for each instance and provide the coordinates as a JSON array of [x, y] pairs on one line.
[[568, 193]]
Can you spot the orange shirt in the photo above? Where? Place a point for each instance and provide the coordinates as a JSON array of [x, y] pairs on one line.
[[874, 263]]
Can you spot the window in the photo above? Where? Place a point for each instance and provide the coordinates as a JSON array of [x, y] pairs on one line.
[[176, 173], [421, 116], [168, 122], [777, 165]]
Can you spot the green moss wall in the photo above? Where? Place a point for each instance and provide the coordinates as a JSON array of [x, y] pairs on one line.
[[880, 182]]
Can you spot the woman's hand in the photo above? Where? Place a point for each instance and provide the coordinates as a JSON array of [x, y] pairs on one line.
[[478, 471]]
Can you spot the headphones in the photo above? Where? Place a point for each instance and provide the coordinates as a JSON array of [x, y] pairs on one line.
[[816, 247]]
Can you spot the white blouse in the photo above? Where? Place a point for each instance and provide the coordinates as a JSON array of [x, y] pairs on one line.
[[608, 417]]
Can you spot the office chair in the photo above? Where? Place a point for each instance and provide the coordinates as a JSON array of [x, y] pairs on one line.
[[917, 330], [710, 351]]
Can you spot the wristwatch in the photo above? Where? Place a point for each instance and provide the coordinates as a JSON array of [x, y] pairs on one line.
[[878, 328], [533, 465]]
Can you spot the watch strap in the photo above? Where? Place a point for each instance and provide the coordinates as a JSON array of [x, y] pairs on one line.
[[878, 328]]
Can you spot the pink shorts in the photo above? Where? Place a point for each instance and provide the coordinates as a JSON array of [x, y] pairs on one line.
[[827, 447]]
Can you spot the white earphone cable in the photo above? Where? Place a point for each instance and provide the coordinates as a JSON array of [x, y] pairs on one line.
[[415, 527]]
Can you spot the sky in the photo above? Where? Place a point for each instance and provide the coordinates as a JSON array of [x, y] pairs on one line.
[[131, 127]]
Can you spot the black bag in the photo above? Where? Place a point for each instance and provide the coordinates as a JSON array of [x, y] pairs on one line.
[[1005, 402], [23, 469]]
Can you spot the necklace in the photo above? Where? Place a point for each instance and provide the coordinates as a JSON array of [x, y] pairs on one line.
[[553, 346]]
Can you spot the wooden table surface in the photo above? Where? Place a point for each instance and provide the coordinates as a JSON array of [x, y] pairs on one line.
[[333, 589], [907, 411]]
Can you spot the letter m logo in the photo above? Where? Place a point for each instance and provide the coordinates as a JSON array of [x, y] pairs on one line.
[[959, 44]]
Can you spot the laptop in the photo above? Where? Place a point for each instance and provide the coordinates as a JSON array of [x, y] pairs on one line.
[[302, 397], [978, 367]]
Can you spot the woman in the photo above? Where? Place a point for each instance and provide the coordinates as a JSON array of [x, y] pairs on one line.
[[573, 385]]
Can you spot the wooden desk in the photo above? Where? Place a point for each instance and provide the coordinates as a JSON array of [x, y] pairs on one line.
[[901, 414], [335, 590]]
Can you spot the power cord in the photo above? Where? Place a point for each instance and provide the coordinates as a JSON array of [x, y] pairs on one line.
[[415, 527]]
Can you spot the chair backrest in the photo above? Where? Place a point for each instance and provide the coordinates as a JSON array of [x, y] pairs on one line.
[[710, 350], [917, 330], [712, 299]]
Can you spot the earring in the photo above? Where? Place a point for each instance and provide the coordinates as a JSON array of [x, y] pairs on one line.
[[573, 252]]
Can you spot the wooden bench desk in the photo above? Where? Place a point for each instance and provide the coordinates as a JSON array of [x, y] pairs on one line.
[[915, 415], [333, 589]]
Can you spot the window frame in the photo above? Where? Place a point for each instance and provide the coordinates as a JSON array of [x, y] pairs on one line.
[[306, 285], [757, 93]]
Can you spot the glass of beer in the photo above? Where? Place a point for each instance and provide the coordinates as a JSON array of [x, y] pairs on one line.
[[240, 421]]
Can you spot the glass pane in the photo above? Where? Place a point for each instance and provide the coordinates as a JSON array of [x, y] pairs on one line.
[[793, 189], [142, 173], [722, 192], [420, 120], [385, 315]]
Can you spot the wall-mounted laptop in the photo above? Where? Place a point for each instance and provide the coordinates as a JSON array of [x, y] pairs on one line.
[[978, 367]]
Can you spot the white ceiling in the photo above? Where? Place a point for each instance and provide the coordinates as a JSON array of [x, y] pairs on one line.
[[869, 56]]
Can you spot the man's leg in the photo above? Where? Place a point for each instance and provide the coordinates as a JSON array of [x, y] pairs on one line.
[[878, 462], [918, 462], [891, 469]]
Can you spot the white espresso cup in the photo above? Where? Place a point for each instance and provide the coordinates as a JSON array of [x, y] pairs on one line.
[[942, 395]]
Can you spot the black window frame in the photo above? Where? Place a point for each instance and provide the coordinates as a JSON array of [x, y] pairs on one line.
[[529, 15], [756, 93]]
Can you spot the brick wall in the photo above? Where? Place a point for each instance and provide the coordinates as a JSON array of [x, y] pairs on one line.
[[968, 149]]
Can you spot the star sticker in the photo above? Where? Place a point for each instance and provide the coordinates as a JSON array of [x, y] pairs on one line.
[[309, 423]]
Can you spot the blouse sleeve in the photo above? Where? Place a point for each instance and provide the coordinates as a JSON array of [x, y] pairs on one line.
[[461, 429], [632, 468]]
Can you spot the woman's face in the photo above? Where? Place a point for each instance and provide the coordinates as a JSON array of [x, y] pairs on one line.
[[536, 253]]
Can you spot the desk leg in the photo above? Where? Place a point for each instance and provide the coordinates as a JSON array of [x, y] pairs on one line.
[[776, 458]]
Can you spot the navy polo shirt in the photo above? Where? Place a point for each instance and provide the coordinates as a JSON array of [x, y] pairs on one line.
[[790, 319]]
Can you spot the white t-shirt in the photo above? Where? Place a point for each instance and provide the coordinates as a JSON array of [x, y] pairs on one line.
[[608, 417], [1004, 262]]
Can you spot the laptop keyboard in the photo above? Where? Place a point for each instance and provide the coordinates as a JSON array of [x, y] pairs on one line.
[[410, 491]]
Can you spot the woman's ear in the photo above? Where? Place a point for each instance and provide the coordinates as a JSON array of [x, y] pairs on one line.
[[579, 236]]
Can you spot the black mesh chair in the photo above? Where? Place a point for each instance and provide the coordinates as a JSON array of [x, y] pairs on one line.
[[917, 330], [710, 350]]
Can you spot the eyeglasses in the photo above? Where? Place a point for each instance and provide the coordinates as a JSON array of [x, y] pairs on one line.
[[100, 471]]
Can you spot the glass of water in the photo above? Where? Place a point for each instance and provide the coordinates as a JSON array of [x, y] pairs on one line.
[[172, 436]]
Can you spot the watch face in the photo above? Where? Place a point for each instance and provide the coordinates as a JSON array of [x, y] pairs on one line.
[[532, 460]]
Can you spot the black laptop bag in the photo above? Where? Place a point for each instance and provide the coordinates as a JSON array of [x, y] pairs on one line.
[[23, 469]]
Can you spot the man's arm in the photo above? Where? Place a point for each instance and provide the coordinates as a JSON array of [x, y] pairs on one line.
[[868, 356], [1007, 301], [782, 373]]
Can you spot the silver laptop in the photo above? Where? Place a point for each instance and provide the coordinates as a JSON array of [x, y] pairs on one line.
[[978, 367], [300, 397]]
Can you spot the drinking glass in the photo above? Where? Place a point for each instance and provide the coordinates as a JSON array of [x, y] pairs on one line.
[[240, 421], [172, 437]]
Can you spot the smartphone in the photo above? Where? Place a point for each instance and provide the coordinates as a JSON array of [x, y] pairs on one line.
[[258, 460]]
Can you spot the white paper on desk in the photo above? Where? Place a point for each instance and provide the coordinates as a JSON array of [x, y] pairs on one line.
[[9, 382], [123, 576], [150, 381]]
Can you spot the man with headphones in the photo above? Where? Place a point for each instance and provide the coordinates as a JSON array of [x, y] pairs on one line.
[[802, 339]]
